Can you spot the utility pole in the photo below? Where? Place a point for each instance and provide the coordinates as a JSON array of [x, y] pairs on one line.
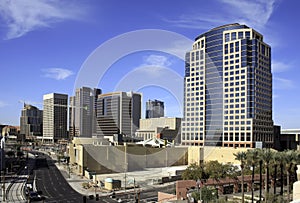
[[125, 165]]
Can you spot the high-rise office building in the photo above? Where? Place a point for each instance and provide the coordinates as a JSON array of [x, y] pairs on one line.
[[228, 89], [82, 119], [55, 117], [31, 121], [118, 113], [154, 109]]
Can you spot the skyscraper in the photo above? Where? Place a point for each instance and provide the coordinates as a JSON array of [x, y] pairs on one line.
[[154, 109], [118, 112], [55, 117], [228, 89], [82, 119], [31, 121]]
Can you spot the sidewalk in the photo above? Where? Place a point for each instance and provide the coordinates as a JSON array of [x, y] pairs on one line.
[[143, 179], [76, 181]]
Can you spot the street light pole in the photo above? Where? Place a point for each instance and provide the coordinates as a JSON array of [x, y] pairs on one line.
[[198, 183], [125, 165]]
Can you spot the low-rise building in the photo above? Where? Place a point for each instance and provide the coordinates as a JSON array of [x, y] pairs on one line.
[[164, 128], [286, 139]]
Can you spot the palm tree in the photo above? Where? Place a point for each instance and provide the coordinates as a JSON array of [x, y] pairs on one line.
[[241, 156], [260, 179], [266, 157], [289, 161], [281, 161], [297, 162], [252, 158], [276, 159]]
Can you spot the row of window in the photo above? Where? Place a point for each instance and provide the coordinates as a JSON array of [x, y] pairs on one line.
[[199, 44], [236, 35], [237, 122]]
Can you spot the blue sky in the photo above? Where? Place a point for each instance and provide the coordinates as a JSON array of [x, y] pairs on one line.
[[45, 44]]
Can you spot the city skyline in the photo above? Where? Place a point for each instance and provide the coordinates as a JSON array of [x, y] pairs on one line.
[[44, 52]]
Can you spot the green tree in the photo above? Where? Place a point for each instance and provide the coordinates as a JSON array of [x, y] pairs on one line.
[[289, 161], [231, 170], [194, 172], [266, 157], [215, 170], [252, 158], [281, 165], [275, 161], [207, 194], [241, 156]]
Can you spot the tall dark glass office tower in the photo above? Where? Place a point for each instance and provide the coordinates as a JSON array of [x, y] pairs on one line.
[[228, 89], [118, 113]]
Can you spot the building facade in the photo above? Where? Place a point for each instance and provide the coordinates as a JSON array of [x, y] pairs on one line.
[[31, 121], [228, 89], [118, 113], [55, 117], [82, 112], [155, 109], [164, 128]]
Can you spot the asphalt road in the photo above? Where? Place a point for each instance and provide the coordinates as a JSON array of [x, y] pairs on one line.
[[55, 187]]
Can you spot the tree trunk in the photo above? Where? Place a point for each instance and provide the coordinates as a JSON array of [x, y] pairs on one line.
[[275, 181], [267, 182], [281, 177], [252, 191], [288, 184], [260, 180], [242, 167]]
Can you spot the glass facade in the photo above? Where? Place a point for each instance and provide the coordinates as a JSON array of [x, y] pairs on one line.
[[228, 89]]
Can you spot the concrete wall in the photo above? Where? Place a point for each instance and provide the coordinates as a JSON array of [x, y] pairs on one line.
[[108, 159], [222, 155]]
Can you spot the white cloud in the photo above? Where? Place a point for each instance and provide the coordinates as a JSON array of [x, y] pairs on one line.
[[157, 60], [254, 13], [154, 66], [57, 73], [198, 21], [22, 17], [3, 104], [282, 83], [278, 67]]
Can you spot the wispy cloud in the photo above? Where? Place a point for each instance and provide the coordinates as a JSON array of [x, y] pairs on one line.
[[154, 65], [254, 13], [282, 83], [22, 17], [278, 67], [57, 73], [3, 104], [157, 60]]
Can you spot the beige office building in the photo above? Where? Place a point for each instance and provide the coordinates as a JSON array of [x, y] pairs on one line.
[[55, 117], [165, 128]]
